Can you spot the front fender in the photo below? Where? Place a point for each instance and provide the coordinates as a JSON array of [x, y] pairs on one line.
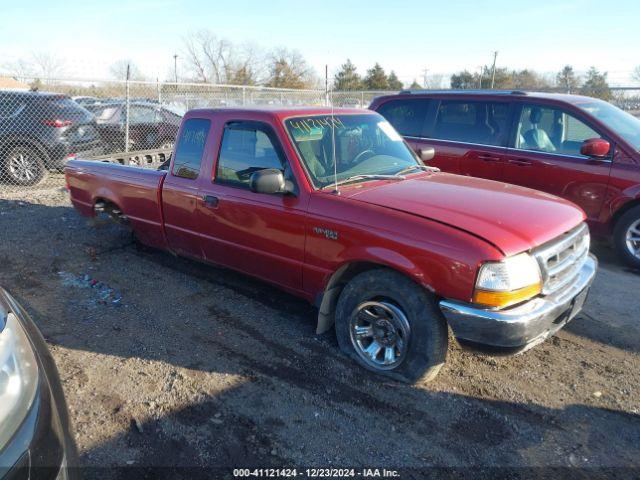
[[359, 260]]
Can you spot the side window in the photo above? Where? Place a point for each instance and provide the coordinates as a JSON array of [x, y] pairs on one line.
[[551, 130], [483, 123], [246, 148], [139, 115], [190, 147], [407, 116]]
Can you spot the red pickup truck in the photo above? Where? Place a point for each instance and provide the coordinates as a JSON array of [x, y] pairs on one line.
[[335, 207], [579, 148]]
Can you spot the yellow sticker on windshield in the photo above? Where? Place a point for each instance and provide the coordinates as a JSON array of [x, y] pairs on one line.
[[390, 131]]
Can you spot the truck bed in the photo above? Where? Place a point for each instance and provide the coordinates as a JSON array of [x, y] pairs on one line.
[[134, 190]]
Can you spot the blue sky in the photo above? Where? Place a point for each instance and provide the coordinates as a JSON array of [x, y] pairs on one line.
[[442, 36]]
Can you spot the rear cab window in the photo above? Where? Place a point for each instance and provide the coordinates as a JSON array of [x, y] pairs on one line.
[[190, 148]]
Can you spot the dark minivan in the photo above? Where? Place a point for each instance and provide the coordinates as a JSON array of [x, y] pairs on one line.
[[580, 148]]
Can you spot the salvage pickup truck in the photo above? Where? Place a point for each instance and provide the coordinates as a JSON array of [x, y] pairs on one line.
[[334, 207]]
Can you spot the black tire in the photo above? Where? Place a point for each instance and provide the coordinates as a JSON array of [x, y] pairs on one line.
[[22, 165], [426, 349], [629, 220]]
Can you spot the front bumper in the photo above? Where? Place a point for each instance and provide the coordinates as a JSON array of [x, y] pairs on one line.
[[522, 326]]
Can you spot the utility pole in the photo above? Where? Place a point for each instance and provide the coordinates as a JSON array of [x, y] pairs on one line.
[[424, 72], [126, 110], [493, 69], [175, 66], [326, 85]]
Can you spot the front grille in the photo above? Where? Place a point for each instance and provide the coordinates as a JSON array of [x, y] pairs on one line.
[[561, 259]]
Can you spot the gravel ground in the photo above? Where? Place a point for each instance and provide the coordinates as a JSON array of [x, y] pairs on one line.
[[166, 362]]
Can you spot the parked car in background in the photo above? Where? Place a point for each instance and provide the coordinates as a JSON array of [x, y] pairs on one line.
[[40, 131], [580, 148], [333, 206], [85, 100], [35, 438], [150, 125]]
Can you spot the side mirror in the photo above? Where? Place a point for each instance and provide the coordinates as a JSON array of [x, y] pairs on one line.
[[268, 180], [595, 148], [426, 154]]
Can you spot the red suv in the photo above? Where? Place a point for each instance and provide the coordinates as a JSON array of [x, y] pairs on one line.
[[580, 148]]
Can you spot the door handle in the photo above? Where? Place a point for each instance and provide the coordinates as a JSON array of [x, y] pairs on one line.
[[520, 162], [488, 158], [210, 200]]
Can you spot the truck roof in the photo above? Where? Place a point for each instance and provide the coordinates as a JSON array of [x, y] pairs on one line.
[[281, 113]]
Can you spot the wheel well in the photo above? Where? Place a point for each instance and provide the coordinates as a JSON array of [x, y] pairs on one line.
[[7, 143], [103, 205], [329, 299], [624, 209]]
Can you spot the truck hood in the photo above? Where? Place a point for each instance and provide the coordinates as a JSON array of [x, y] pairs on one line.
[[514, 219]]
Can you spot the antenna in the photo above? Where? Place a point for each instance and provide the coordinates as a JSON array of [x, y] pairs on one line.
[[333, 144]]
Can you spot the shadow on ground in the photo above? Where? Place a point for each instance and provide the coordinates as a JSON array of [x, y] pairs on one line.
[[293, 399]]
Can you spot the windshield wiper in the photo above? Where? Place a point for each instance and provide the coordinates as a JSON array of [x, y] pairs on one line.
[[424, 168], [354, 178]]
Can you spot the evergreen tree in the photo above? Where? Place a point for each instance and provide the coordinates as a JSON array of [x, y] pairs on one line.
[[376, 79], [567, 79], [347, 78], [463, 80], [394, 82], [595, 85]]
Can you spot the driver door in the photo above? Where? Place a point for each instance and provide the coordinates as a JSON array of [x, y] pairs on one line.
[[259, 234], [545, 155]]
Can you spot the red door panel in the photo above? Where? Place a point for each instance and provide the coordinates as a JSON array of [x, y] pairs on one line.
[[262, 235], [580, 180]]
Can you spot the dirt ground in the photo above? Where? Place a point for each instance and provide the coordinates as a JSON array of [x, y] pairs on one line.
[[166, 362]]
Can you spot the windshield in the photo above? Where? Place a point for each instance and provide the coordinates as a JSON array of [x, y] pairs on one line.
[[364, 145], [621, 122]]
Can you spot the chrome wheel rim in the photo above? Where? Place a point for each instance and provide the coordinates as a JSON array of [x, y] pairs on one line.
[[633, 239], [380, 334], [23, 166]]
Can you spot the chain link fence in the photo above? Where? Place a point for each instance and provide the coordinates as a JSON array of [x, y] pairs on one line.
[[43, 123]]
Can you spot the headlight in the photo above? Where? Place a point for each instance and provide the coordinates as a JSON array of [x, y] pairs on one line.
[[508, 282], [18, 375]]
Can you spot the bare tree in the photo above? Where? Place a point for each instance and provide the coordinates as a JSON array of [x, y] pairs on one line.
[[118, 70], [208, 57], [636, 74], [435, 80], [247, 66], [47, 65], [20, 68], [40, 64]]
